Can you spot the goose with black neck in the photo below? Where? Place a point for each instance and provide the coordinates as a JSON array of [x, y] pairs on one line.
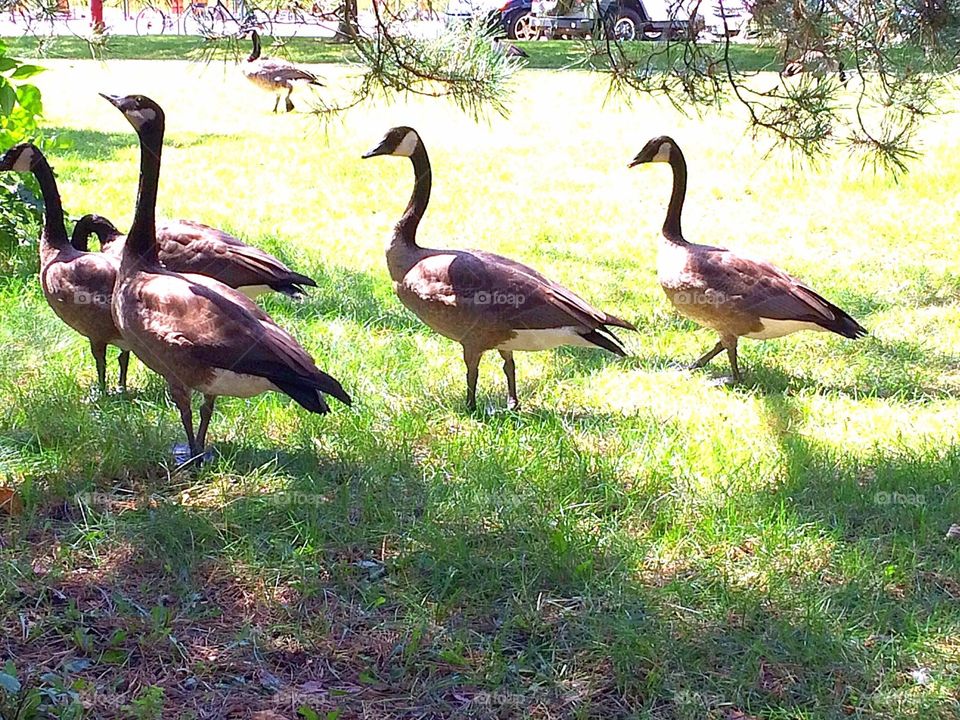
[[735, 295], [481, 300], [77, 285], [197, 333]]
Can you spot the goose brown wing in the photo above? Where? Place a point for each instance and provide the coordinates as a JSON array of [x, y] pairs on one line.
[[222, 328], [281, 71], [551, 302], [191, 247], [755, 287]]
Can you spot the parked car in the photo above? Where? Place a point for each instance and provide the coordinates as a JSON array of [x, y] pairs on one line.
[[624, 19], [729, 18], [504, 17]]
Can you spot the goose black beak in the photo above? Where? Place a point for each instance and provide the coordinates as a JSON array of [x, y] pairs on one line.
[[638, 160], [381, 149], [114, 100]]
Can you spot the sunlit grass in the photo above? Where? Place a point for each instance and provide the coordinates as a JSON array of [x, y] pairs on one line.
[[637, 542]]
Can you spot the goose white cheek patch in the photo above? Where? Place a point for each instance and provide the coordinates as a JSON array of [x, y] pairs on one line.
[[663, 154], [24, 161], [409, 144], [140, 117]]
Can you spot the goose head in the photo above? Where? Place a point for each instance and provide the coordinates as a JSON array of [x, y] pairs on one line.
[[20, 158], [658, 149], [140, 111], [400, 141]]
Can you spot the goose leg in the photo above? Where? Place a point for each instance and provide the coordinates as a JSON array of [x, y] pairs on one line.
[[707, 356], [731, 345], [510, 370], [289, 102], [181, 398], [471, 359], [99, 351], [124, 362], [206, 412], [276, 103]]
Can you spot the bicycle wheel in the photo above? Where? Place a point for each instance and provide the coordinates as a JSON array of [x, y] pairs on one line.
[[150, 21]]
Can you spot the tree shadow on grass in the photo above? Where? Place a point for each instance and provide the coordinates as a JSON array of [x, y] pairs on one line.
[[87, 145], [479, 593]]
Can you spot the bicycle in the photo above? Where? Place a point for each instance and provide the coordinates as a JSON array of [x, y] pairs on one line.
[[217, 21], [151, 20]]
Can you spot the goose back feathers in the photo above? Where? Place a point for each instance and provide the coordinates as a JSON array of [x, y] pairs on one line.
[[186, 246]]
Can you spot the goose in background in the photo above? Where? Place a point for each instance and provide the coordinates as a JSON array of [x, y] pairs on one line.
[[501, 45], [481, 300], [197, 333], [818, 64], [274, 75], [735, 295], [77, 285], [191, 247]]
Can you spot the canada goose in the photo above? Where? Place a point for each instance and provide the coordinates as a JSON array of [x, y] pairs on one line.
[[818, 64], [735, 295], [274, 75], [77, 285], [481, 300], [501, 45], [196, 332], [191, 247]]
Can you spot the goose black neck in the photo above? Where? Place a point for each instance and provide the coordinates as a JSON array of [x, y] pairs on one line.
[[142, 238], [407, 227], [671, 226], [255, 55], [54, 230]]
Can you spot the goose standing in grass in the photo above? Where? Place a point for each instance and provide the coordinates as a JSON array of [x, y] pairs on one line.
[[275, 75], [191, 247], [733, 294], [197, 333], [77, 285], [481, 300]]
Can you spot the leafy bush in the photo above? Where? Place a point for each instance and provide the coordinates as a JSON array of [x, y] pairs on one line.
[[21, 109]]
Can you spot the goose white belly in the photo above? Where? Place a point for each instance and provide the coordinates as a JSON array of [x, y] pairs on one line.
[[227, 382], [771, 329], [546, 339]]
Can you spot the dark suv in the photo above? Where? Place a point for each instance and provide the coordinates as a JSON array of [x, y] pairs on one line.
[[624, 19], [504, 17]]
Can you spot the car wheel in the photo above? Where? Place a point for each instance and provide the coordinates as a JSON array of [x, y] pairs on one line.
[[520, 28], [627, 26]]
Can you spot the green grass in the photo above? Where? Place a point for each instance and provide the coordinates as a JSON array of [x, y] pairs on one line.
[[636, 542], [555, 54]]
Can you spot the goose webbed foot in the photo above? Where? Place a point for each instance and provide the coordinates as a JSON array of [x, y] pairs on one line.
[[185, 456]]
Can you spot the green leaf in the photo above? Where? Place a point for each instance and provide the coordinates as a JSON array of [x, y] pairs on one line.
[[29, 98], [8, 98], [26, 71], [7, 64], [9, 683], [307, 713]]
